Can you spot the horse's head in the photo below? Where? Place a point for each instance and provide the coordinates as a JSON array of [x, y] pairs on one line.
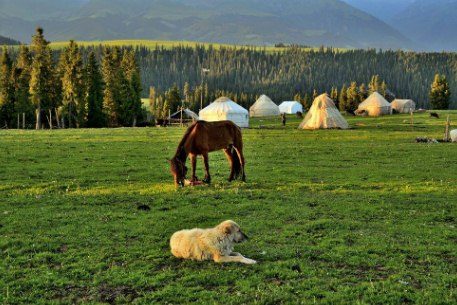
[[179, 170]]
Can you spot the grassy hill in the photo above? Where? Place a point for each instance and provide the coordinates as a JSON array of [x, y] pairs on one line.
[[168, 44], [334, 217], [151, 44]]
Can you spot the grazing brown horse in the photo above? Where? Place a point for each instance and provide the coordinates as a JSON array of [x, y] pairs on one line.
[[203, 137]]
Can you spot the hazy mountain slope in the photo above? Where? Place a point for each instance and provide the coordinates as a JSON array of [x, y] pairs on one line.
[[8, 41], [39, 9], [432, 23], [16, 28], [381, 9], [311, 22]]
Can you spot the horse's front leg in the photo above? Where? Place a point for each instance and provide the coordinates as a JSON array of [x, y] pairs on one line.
[[206, 166], [193, 160]]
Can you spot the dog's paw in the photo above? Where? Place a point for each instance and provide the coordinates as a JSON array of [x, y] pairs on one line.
[[249, 261]]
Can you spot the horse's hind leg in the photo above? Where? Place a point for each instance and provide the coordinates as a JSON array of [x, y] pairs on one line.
[[229, 155], [206, 167], [241, 157]]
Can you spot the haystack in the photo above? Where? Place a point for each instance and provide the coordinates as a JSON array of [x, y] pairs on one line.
[[323, 114]]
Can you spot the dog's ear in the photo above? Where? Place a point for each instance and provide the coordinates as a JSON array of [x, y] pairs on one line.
[[227, 228]]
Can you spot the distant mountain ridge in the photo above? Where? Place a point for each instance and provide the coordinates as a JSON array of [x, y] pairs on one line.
[[432, 24], [243, 22], [382, 9], [8, 41]]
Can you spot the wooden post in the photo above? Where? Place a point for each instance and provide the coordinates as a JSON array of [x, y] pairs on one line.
[[57, 117], [50, 118], [412, 121], [18, 121], [446, 130], [23, 120]]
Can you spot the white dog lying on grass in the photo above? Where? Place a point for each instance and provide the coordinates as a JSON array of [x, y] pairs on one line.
[[210, 244]]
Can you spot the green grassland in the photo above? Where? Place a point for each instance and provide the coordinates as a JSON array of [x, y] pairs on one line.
[[360, 216], [151, 44], [168, 44]]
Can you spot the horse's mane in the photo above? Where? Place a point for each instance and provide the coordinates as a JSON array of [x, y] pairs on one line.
[[180, 153]]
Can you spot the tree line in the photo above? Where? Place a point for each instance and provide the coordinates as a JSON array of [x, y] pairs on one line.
[[101, 86], [243, 74], [63, 90]]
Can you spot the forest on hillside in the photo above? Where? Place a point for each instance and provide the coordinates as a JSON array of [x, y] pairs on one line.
[[190, 76], [245, 73]]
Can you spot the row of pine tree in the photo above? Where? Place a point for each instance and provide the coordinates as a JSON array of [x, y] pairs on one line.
[[72, 92], [102, 86]]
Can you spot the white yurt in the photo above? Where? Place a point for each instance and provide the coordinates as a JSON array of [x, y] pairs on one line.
[[225, 109], [375, 105], [184, 114], [323, 114], [264, 106], [403, 106], [290, 107], [453, 134]]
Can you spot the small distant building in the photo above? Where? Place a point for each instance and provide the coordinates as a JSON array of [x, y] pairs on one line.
[[403, 106], [323, 114], [263, 107], [183, 116], [290, 107], [375, 105], [225, 109]]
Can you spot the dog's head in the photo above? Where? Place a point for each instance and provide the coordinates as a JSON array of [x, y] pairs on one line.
[[233, 231]]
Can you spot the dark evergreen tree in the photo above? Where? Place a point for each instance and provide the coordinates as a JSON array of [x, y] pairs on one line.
[[173, 98], [131, 107], [42, 76], [306, 102], [186, 91], [73, 85], [374, 84], [111, 89], [363, 93], [384, 91], [440, 92], [343, 99], [7, 96], [152, 101], [22, 69], [315, 94], [94, 93], [353, 97]]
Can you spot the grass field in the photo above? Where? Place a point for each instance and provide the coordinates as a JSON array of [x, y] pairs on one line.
[[361, 216], [168, 44]]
